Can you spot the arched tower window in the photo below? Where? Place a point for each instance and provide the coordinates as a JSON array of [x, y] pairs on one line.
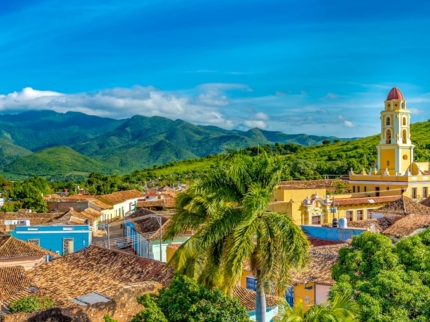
[[404, 121], [388, 121], [388, 137], [404, 139]]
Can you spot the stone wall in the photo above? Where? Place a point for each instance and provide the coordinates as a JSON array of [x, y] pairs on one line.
[[122, 308]]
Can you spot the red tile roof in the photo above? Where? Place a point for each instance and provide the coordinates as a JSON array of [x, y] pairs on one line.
[[407, 225], [403, 206], [120, 196], [14, 248], [94, 269], [310, 184], [365, 200], [13, 282], [395, 94], [379, 224]]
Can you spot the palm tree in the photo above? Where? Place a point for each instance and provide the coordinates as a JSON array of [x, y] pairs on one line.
[[341, 309], [227, 207]]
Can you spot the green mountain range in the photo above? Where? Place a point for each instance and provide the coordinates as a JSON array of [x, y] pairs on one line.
[[50, 143]]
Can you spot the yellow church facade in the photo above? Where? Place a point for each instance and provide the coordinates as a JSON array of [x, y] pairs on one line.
[[396, 174]]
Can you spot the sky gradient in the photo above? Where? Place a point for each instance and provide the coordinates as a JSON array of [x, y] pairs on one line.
[[316, 67]]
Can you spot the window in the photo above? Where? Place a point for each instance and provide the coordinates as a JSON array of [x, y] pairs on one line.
[[388, 163], [377, 191], [349, 215], [353, 189], [414, 193], [358, 189], [316, 220], [34, 241], [360, 215], [388, 188], [403, 191], [68, 246], [404, 137], [388, 121], [388, 137], [404, 121], [425, 192], [365, 189]]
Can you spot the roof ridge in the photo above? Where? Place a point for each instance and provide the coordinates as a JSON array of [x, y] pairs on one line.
[[8, 239]]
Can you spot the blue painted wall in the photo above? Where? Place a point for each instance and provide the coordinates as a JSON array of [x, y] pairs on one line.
[[51, 237], [338, 234]]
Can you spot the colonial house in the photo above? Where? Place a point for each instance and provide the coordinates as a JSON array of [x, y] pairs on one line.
[[123, 202], [15, 252]]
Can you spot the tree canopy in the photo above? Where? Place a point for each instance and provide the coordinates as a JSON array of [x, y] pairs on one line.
[[389, 283]]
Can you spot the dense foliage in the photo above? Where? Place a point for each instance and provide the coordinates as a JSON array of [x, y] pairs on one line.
[[30, 304], [186, 301], [389, 283]]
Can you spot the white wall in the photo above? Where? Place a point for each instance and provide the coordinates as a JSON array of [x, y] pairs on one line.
[[321, 293]]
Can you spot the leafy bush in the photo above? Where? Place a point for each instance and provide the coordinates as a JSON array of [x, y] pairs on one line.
[[30, 304]]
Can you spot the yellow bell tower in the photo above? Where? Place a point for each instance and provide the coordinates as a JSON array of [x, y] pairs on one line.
[[395, 150]]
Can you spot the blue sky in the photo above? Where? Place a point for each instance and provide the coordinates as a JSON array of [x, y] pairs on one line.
[[316, 67]]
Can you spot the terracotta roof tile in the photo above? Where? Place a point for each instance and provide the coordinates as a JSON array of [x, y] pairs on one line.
[[120, 196], [14, 248], [13, 281], [81, 197], [247, 298], [148, 227], [35, 218], [159, 203], [323, 242], [403, 206], [94, 269], [365, 200], [100, 204], [319, 269], [407, 225]]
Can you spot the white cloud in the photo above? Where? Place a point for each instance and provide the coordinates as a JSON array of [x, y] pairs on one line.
[[329, 96], [126, 102], [262, 116], [255, 123], [348, 124]]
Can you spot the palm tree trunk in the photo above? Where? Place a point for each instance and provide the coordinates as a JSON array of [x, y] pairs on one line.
[[260, 302]]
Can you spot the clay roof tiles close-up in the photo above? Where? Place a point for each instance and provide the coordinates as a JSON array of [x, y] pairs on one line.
[[365, 200], [13, 283], [407, 225], [310, 184], [11, 247], [403, 206], [94, 269], [379, 224]]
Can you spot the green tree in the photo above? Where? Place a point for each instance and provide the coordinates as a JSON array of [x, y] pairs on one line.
[[341, 309], [389, 283], [185, 300], [30, 304], [108, 318], [30, 196], [227, 206]]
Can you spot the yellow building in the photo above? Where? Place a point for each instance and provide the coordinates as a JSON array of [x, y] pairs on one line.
[[397, 173]]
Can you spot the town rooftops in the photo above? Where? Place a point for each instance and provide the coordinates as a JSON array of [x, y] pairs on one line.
[[14, 248], [121, 196], [94, 269], [365, 200], [403, 206], [407, 225], [310, 184]]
